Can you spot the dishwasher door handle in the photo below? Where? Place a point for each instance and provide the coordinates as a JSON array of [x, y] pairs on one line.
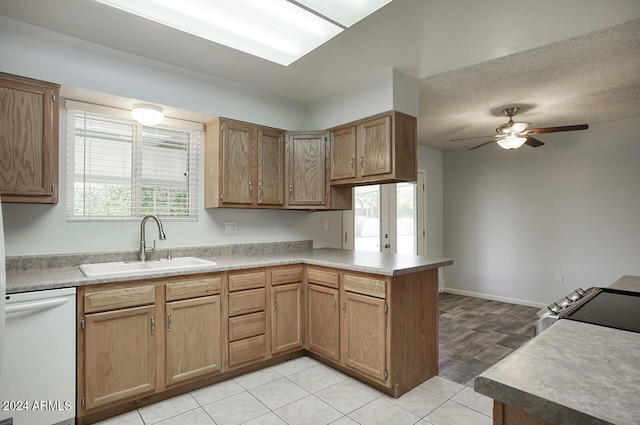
[[34, 306]]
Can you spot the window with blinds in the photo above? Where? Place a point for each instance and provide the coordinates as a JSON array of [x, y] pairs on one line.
[[119, 169]]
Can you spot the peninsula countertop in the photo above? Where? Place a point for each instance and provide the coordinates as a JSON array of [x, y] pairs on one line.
[[573, 373], [360, 261]]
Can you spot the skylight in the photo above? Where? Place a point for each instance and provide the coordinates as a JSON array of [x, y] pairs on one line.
[[281, 31]]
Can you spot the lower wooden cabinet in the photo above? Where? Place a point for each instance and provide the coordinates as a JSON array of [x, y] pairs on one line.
[[364, 329], [193, 343], [286, 318], [323, 324], [119, 355]]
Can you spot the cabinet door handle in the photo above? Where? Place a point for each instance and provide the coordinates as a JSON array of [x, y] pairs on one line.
[[153, 325], [362, 161], [275, 301], [335, 305], [169, 322], [353, 160], [344, 309], [260, 189], [250, 188], [290, 189]]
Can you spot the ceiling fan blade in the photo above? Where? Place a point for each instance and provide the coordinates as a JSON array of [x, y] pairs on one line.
[[471, 138], [534, 143], [519, 127], [558, 129], [480, 145]]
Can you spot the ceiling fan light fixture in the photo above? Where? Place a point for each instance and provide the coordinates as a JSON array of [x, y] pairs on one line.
[[147, 114], [512, 141]]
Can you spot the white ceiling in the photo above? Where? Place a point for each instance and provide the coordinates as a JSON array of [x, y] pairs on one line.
[[473, 57]]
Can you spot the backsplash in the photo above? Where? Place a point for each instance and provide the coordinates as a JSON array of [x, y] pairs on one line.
[[32, 262]]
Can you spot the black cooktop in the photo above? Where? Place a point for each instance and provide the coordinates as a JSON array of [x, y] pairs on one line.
[[610, 307]]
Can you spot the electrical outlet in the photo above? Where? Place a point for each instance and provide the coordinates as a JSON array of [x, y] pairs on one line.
[[559, 279], [231, 227]]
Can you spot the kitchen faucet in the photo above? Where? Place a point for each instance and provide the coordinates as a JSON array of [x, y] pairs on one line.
[[143, 244]]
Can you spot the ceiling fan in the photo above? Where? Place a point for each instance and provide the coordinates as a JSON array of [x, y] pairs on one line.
[[512, 135]]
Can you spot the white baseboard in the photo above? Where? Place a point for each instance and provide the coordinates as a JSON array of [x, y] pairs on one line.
[[494, 297]]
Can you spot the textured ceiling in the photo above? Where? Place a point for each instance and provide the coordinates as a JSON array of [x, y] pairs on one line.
[[473, 57], [583, 80]]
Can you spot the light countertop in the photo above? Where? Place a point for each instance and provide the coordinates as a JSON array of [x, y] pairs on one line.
[[573, 373], [367, 262]]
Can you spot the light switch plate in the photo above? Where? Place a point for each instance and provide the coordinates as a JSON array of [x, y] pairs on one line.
[[231, 227]]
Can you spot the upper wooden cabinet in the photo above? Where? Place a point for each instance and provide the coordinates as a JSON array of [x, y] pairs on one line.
[[28, 140], [307, 174], [377, 150], [244, 165]]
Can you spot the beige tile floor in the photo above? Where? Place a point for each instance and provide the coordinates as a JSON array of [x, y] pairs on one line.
[[305, 392]]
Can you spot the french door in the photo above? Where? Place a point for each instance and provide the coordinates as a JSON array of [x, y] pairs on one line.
[[387, 218]]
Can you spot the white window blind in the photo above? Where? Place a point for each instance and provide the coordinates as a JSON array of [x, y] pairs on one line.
[[119, 169]]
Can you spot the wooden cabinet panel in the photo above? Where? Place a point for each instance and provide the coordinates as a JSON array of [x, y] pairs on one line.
[[323, 277], [28, 140], [343, 153], [246, 326], [286, 317], [119, 355], [189, 288], [236, 161], [374, 147], [193, 343], [113, 299], [323, 321], [242, 281], [363, 334], [247, 350], [270, 167], [306, 159], [286, 275], [385, 151], [364, 285], [249, 301]]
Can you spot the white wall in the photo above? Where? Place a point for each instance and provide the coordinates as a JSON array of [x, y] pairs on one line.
[[513, 220], [39, 229]]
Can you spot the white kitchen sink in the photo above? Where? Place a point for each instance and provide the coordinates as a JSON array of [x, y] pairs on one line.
[[120, 268]]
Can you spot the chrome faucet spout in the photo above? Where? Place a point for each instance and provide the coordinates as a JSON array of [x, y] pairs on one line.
[[143, 243]]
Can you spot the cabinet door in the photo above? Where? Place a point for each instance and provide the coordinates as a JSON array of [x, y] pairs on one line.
[[193, 344], [28, 140], [120, 355], [307, 169], [236, 163], [374, 147], [324, 321], [343, 153], [270, 167], [286, 317], [364, 334]]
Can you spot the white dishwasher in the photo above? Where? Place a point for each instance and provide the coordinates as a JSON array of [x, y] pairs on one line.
[[38, 380]]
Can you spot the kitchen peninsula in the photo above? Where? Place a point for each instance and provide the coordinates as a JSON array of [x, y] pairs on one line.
[[572, 373], [371, 315]]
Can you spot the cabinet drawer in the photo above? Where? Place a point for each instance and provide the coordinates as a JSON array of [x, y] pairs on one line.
[[115, 299], [247, 301], [247, 326], [364, 285], [323, 277], [288, 275], [246, 350], [239, 282], [193, 288]]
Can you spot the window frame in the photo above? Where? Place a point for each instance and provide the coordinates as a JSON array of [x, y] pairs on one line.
[[194, 163]]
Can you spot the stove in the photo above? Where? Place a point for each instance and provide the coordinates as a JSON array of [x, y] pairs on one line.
[[598, 306]]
